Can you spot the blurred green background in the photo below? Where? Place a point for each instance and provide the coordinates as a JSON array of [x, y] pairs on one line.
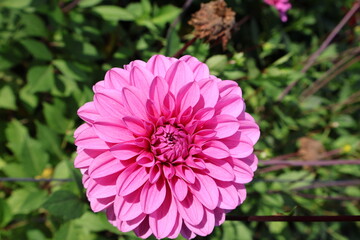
[[53, 51]]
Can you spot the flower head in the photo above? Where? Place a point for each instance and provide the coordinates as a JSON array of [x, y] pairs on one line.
[[282, 6], [166, 147]]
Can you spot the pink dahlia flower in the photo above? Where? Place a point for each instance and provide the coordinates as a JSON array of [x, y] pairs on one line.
[[282, 6], [166, 147]]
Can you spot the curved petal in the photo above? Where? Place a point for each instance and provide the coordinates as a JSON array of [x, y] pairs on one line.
[[104, 165], [220, 170], [228, 195], [134, 101], [210, 92], [190, 209], [128, 207], [205, 189], [108, 103], [88, 112], [178, 75], [117, 78], [112, 130], [125, 151], [158, 65], [152, 196], [179, 188], [89, 140], [131, 179], [141, 78], [231, 104], [163, 220]]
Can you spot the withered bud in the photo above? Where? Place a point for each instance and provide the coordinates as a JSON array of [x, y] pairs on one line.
[[213, 22]]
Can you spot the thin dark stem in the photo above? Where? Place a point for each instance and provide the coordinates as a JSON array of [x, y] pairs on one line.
[[295, 218], [35, 179], [342, 183], [182, 50], [334, 198], [70, 6], [310, 163], [323, 46], [328, 76]]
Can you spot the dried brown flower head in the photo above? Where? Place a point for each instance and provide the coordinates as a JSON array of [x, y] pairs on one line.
[[213, 22]]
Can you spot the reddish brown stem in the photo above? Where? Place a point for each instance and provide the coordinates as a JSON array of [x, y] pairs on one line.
[[323, 46], [182, 50]]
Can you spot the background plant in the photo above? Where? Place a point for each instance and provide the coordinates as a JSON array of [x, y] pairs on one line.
[[52, 52]]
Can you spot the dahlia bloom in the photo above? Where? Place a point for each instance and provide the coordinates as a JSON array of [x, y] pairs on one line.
[[282, 6], [166, 147]]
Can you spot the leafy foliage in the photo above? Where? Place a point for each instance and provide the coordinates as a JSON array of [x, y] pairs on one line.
[[52, 52]]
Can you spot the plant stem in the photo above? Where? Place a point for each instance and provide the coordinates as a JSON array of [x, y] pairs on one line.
[[323, 46]]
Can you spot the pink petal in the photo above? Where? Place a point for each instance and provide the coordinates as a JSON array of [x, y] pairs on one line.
[[250, 129], [158, 65], [243, 172], [220, 170], [204, 114], [179, 188], [112, 130], [206, 226], [191, 210], [88, 112], [141, 78], [201, 71], [155, 173], [117, 78], [82, 160], [143, 230], [178, 75], [219, 216], [131, 179], [108, 103], [125, 151], [158, 90], [177, 228], [210, 92], [96, 190], [88, 139], [205, 189], [128, 207], [163, 220], [186, 233], [241, 191], [152, 196], [231, 104], [185, 173], [227, 87], [126, 226], [145, 159], [252, 161], [215, 149], [104, 165], [188, 96], [239, 144], [138, 63], [228, 195], [99, 204], [135, 125], [134, 102], [224, 125], [81, 128]]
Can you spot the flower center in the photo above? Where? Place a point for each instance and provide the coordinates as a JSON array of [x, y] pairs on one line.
[[169, 143]]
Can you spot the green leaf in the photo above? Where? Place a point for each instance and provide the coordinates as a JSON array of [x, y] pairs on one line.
[[113, 13], [7, 98], [26, 200], [40, 78], [64, 204], [33, 157], [217, 63], [96, 222], [72, 231], [5, 213], [55, 118], [33, 25], [88, 3], [49, 140], [37, 49], [70, 70], [18, 4], [16, 134], [166, 14]]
